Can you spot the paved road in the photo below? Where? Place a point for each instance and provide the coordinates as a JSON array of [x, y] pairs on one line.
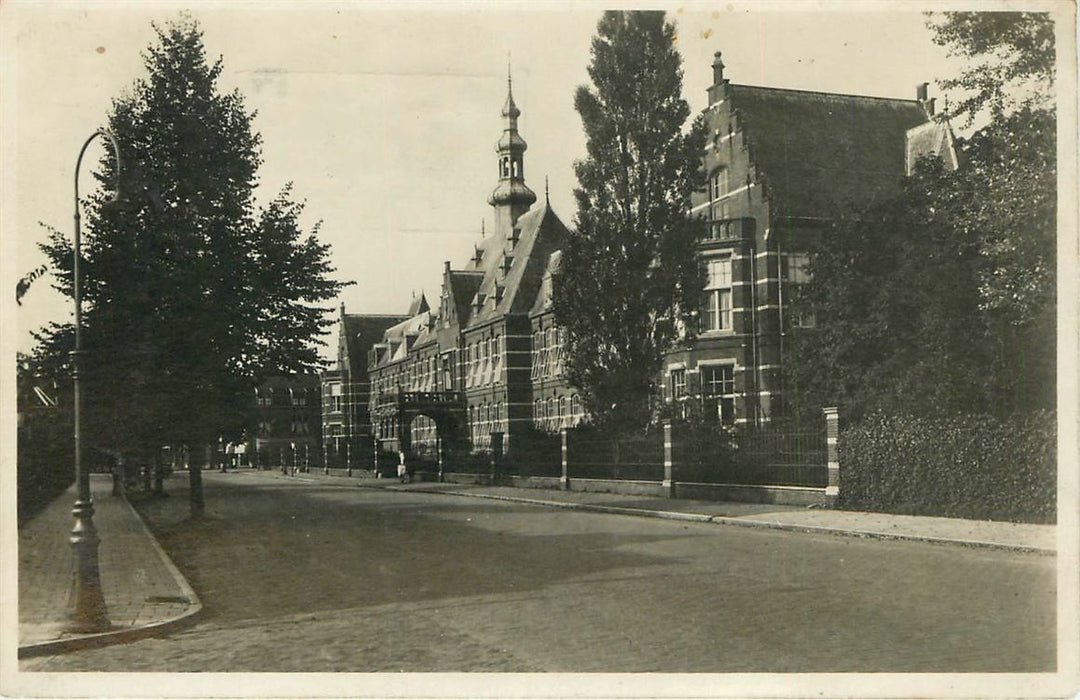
[[303, 576]]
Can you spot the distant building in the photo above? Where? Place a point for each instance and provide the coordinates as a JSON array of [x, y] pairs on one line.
[[472, 366], [780, 164], [346, 390], [285, 423], [488, 363]]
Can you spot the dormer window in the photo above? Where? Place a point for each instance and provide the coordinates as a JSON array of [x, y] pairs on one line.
[[478, 255]]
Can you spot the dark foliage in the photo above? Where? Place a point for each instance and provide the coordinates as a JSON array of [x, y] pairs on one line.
[[964, 466], [942, 300], [191, 296], [629, 278], [1010, 55]]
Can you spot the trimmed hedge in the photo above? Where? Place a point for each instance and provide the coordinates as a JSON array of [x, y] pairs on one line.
[[965, 466]]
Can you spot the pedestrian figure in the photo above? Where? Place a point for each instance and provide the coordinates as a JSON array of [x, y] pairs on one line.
[[402, 473]]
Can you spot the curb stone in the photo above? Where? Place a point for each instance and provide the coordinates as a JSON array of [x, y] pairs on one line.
[[739, 522], [126, 634]]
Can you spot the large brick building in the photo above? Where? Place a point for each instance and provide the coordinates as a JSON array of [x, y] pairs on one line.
[[488, 358], [346, 390], [285, 422], [780, 164]]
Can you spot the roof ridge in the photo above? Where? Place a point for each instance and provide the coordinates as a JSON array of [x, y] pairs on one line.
[[825, 94]]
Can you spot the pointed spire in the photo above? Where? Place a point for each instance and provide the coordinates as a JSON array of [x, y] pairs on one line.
[[482, 232], [547, 192]]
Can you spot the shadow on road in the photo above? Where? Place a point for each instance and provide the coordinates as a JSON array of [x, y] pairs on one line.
[[276, 549]]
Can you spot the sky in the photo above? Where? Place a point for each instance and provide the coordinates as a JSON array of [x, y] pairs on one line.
[[386, 119]]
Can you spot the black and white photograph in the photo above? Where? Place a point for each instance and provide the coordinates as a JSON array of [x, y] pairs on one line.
[[556, 349]]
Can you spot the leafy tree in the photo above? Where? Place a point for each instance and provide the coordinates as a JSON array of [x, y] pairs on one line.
[[191, 295], [941, 300], [1012, 59], [629, 276]]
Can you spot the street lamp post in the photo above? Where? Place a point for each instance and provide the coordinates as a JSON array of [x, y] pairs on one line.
[[88, 612]]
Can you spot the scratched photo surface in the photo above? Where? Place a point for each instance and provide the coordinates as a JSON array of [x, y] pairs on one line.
[[484, 350]]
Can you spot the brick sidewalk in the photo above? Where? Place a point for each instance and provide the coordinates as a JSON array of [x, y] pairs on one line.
[[142, 588]]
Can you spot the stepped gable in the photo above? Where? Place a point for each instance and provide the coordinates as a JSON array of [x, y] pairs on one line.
[[539, 233], [819, 150]]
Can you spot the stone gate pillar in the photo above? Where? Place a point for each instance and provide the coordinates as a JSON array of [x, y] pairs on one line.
[[668, 485], [832, 450], [564, 480]]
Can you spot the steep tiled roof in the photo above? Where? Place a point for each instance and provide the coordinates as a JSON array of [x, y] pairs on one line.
[[930, 139], [361, 331], [512, 274], [463, 286], [543, 296], [419, 305], [818, 150]]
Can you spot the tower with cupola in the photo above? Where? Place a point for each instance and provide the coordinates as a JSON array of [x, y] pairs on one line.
[[511, 197]]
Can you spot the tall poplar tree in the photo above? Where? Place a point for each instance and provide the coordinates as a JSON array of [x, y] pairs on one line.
[[630, 279], [191, 295]]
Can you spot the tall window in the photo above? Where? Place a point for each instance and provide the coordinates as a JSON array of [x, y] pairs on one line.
[[716, 316], [496, 363], [678, 383], [794, 270], [718, 385], [718, 191]]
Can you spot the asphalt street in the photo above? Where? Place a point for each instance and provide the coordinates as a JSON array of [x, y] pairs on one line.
[[306, 576]]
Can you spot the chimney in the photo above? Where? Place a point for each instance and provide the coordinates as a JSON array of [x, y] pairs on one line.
[[922, 91], [931, 106], [717, 69], [446, 266]]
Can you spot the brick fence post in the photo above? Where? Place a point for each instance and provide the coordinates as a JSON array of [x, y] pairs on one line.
[[439, 456], [832, 450], [668, 485], [496, 455], [564, 480]]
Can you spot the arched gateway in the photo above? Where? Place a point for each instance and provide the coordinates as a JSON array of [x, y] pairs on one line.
[[395, 420]]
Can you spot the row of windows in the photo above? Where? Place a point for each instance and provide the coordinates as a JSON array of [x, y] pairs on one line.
[[296, 427], [265, 397], [716, 380], [548, 359], [483, 362], [717, 389], [716, 312], [484, 419], [554, 414]]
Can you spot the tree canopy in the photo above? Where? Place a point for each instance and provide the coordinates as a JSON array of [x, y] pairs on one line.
[[629, 277], [1012, 60], [192, 293], [941, 300]]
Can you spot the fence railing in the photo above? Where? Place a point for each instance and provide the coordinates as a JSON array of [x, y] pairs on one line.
[[777, 455]]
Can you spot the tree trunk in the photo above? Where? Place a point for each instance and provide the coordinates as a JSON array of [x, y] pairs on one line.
[[159, 474], [198, 505]]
